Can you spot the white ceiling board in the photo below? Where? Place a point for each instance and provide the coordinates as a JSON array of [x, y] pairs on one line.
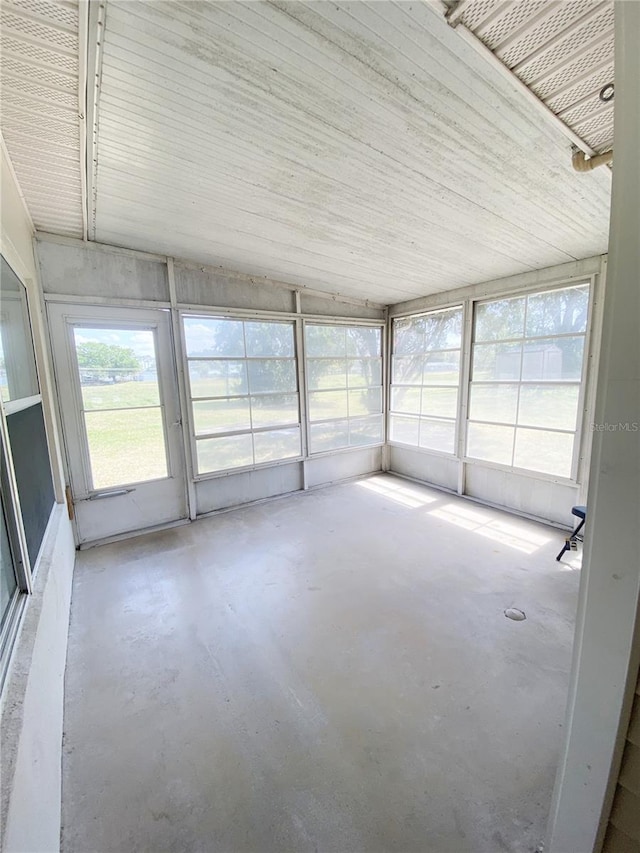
[[41, 125], [359, 148]]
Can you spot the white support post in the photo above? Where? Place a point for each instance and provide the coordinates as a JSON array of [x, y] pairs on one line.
[[606, 647]]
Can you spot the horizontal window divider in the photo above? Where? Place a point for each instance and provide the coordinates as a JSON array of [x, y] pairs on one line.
[[527, 472], [212, 312], [430, 385], [521, 426], [422, 353], [424, 417], [124, 409], [245, 469], [252, 431], [347, 418], [345, 388], [246, 396], [532, 338], [550, 382], [22, 403], [241, 358]]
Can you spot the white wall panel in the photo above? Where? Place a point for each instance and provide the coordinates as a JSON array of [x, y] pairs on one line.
[[247, 486], [428, 467], [343, 465], [222, 289]]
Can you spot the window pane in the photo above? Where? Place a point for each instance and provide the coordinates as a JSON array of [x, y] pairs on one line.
[[18, 377], [547, 452], [404, 430], [495, 321], [218, 378], [331, 436], [553, 359], [363, 342], [551, 406], [209, 336], [440, 402], [366, 371], [269, 339], [441, 368], [443, 330], [437, 435], [224, 415], [491, 443], [272, 375], [496, 362], [126, 446], [218, 454], [406, 400], [407, 370], [493, 403], [327, 404], [276, 444], [365, 431], [274, 409], [558, 311], [408, 336], [325, 341], [326, 373], [117, 367], [365, 401]]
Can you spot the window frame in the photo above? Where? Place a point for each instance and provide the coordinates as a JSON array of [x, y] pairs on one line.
[[458, 423], [355, 323], [188, 414]]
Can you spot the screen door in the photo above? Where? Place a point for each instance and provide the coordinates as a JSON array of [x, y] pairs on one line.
[[120, 412]]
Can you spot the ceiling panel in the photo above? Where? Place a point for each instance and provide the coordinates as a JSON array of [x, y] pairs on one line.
[[360, 148], [40, 118]]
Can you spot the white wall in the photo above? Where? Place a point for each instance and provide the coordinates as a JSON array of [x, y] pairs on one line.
[[32, 701]]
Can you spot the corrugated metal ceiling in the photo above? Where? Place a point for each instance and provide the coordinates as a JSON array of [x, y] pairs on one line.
[[561, 49], [360, 148], [40, 118]]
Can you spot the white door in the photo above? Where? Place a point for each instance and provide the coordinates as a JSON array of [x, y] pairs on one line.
[[120, 416]]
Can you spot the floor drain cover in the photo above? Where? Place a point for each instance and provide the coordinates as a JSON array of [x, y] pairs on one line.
[[515, 614]]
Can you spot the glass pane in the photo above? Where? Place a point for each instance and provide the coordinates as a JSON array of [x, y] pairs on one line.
[[269, 339], [404, 430], [437, 435], [274, 409], [496, 362], [117, 368], [327, 373], [547, 452], [363, 342], [406, 400], [441, 368], [272, 375], [366, 371], [8, 584], [440, 402], [218, 454], [558, 312], [126, 446], [224, 415], [495, 321], [18, 377], [365, 431], [493, 403], [408, 336], [218, 378], [325, 341], [553, 359], [443, 330], [365, 401], [327, 404], [407, 370], [550, 406], [331, 436], [276, 444], [491, 443], [209, 336]]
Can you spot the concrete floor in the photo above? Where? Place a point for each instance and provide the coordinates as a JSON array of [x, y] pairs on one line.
[[332, 671]]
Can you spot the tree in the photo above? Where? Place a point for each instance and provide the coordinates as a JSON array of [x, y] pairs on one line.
[[107, 361]]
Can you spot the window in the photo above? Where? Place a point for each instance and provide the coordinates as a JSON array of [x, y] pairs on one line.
[[425, 380], [527, 366], [244, 392], [344, 379]]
